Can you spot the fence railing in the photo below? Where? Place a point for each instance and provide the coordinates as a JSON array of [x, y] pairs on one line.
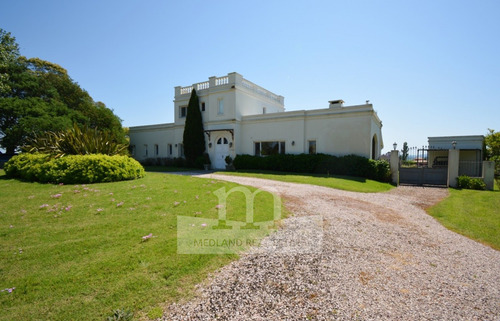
[[470, 168], [426, 156]]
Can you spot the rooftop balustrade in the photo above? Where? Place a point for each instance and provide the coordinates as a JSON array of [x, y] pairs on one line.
[[232, 80]]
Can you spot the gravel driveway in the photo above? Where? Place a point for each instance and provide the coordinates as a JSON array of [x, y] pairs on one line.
[[377, 257]]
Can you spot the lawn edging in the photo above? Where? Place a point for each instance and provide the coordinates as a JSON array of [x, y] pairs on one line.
[[347, 183]]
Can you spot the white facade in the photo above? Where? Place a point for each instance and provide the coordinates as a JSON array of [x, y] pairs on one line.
[[471, 150], [240, 117]]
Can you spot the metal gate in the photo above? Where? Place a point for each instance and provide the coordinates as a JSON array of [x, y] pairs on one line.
[[424, 166]]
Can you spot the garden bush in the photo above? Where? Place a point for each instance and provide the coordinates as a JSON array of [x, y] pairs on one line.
[[470, 183], [349, 165], [73, 169]]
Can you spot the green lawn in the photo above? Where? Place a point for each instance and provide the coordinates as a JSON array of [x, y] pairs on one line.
[[166, 169], [348, 183], [76, 252], [475, 214]]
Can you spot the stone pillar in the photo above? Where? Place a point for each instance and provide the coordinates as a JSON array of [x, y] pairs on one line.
[[234, 78], [489, 174], [453, 162], [211, 81], [395, 166]]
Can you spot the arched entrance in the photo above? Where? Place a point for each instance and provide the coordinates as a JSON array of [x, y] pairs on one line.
[[221, 151], [374, 147]]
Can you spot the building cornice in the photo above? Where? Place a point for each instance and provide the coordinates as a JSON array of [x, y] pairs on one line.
[[315, 113], [153, 127]]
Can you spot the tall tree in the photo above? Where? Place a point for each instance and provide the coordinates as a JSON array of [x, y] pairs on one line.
[[492, 142], [9, 52], [194, 135], [37, 96], [404, 151]]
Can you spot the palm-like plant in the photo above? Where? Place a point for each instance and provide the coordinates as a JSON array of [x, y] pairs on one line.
[[75, 141]]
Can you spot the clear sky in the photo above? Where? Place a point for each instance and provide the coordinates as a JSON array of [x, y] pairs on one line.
[[430, 67]]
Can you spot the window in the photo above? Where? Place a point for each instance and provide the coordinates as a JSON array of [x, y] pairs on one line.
[[257, 149], [312, 147], [157, 150], [170, 149], [222, 141], [181, 150], [146, 149], [203, 106], [269, 148], [182, 111], [220, 111]]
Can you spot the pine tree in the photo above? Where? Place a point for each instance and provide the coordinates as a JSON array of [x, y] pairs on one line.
[[405, 151], [194, 135]]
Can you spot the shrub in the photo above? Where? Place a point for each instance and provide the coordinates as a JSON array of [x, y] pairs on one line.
[[470, 183], [73, 169], [350, 165]]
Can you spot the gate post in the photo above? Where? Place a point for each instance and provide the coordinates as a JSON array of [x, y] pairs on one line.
[[395, 166], [489, 174], [453, 163]]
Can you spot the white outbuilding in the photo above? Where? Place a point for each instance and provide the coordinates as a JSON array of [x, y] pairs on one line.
[[240, 117]]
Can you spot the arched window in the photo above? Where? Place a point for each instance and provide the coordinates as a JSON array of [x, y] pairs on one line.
[[222, 141], [374, 147]]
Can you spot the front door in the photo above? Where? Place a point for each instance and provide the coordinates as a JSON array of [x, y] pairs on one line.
[[221, 151]]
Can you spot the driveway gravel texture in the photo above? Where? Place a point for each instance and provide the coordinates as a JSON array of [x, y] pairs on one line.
[[352, 256]]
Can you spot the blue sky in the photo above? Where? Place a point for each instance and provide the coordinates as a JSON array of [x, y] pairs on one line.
[[430, 67]]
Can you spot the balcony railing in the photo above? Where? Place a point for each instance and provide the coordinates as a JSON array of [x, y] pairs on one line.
[[222, 81], [230, 79], [204, 85]]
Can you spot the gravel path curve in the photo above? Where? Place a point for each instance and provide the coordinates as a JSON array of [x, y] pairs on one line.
[[370, 257]]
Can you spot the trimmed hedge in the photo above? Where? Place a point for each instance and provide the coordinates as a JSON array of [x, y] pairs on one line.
[[349, 165], [73, 169], [177, 162], [470, 183]]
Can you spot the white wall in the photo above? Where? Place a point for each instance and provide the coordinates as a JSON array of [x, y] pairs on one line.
[[248, 103], [162, 135], [337, 132]]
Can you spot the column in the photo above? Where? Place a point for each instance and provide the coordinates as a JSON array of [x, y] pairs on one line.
[[395, 166], [453, 162], [489, 174]]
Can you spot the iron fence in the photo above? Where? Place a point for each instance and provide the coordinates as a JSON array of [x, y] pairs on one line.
[[470, 168], [426, 156]]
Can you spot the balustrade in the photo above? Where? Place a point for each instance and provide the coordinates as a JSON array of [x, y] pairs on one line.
[[225, 80]]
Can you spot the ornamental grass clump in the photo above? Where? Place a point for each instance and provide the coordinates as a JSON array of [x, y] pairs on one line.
[[75, 141]]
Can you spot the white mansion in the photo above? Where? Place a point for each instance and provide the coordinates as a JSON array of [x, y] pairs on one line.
[[240, 117]]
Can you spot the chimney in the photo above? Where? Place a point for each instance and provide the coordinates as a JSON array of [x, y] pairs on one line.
[[336, 103]]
